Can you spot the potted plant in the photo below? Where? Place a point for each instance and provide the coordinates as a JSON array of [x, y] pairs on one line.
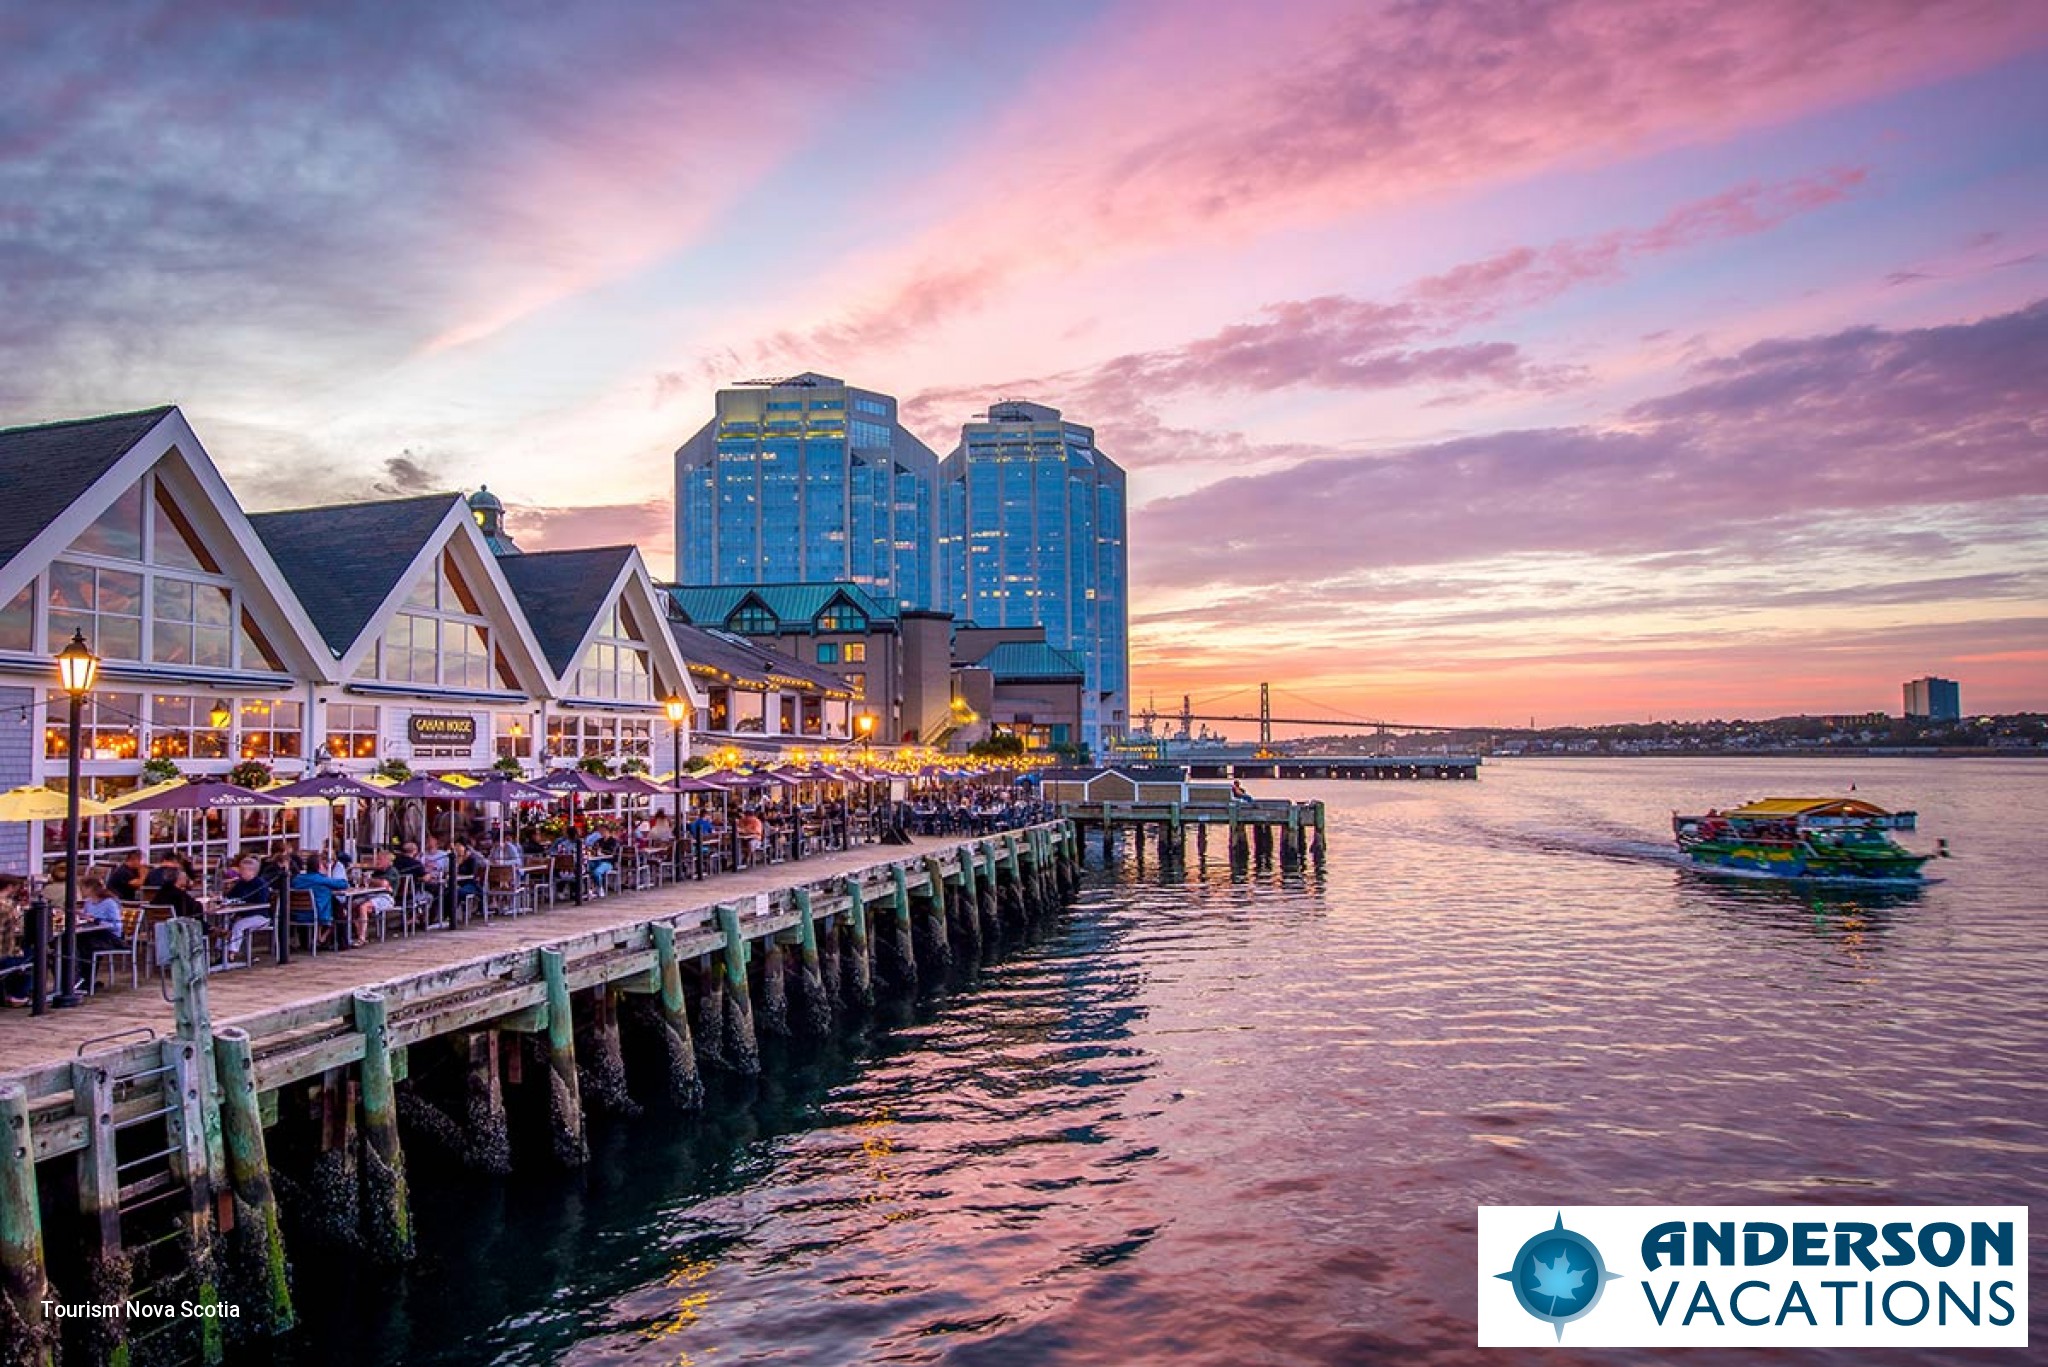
[[595, 764], [250, 773], [397, 770], [157, 769], [508, 766], [633, 764]]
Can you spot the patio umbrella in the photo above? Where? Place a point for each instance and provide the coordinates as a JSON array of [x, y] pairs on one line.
[[330, 789], [503, 789], [194, 796], [31, 803]]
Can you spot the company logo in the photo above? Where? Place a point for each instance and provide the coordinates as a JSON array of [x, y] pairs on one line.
[[1775, 1276], [1557, 1275]]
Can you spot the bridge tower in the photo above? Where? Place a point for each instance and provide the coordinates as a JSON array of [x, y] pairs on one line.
[[1265, 715]]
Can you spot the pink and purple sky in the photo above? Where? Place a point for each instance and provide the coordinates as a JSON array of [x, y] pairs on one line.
[[1473, 360]]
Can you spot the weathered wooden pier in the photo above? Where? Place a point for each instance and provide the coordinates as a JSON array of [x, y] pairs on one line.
[[164, 1172], [1353, 768], [1264, 831]]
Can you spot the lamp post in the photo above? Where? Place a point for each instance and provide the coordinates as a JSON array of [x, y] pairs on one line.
[[678, 709], [77, 666], [864, 727]]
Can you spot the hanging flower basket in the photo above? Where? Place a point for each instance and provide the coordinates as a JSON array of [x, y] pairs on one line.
[[397, 770], [250, 773], [595, 764], [633, 764], [508, 766], [159, 770]]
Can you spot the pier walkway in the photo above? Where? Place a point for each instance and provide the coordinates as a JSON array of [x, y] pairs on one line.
[[29, 1043]]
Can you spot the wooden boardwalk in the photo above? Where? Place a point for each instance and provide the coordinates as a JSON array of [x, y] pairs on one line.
[[30, 1042]]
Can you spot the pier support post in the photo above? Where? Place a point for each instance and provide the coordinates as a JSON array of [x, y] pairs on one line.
[[486, 1137], [1262, 842], [896, 950], [934, 949], [1202, 843], [336, 1195], [601, 1076], [1322, 815], [1240, 852], [108, 1270], [187, 1092], [814, 1003], [259, 1278], [772, 1020], [710, 1035], [387, 1208], [985, 896], [31, 1340], [963, 923], [565, 1096], [856, 972], [679, 1054], [1010, 891], [740, 1048], [1293, 850]]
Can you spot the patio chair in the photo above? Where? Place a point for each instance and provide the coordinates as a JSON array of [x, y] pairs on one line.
[[132, 928], [267, 932], [302, 913], [506, 892]]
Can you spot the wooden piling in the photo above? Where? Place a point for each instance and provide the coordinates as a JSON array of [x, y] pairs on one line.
[[896, 950], [1321, 845], [565, 1097], [772, 1020], [934, 948], [486, 1135], [710, 1032], [186, 1094], [679, 1054], [109, 1272], [1292, 851], [387, 1208], [985, 896], [601, 1070], [856, 974], [814, 1003], [740, 1048], [26, 1337], [258, 1276]]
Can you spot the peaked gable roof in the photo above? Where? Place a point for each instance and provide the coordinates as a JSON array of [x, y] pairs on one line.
[[46, 468], [792, 604], [1027, 660], [562, 592], [739, 660], [344, 561]]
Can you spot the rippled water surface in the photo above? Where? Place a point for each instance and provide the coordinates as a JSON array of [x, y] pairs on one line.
[[1247, 1120]]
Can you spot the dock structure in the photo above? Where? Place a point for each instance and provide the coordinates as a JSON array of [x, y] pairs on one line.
[[1262, 831], [167, 1165], [1350, 768]]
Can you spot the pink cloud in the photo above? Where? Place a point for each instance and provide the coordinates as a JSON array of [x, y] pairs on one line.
[[1316, 111]]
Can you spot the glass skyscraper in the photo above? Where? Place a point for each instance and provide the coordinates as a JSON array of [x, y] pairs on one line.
[[1031, 533], [807, 480]]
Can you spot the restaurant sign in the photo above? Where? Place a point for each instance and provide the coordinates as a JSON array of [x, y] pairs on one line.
[[441, 733]]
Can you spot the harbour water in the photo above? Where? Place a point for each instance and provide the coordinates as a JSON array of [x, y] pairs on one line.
[[1247, 1120]]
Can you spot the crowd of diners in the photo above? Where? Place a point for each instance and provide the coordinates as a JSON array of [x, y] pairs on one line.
[[471, 862]]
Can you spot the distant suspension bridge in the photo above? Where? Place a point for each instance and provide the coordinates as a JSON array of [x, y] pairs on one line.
[[1187, 716]]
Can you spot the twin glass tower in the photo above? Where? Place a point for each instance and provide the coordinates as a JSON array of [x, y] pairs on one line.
[[811, 480]]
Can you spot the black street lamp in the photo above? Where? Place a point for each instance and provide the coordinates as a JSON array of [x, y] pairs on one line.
[[77, 667], [864, 727], [678, 709]]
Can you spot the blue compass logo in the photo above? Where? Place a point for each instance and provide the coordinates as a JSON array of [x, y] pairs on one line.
[[1558, 1275]]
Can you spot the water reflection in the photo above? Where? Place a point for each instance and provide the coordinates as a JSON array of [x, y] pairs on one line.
[[1852, 918]]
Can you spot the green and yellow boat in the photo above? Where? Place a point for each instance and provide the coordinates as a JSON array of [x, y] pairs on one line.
[[1833, 839]]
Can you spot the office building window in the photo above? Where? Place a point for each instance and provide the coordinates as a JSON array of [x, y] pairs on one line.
[[828, 653]]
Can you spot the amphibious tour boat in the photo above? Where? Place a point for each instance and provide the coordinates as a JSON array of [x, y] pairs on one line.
[[1802, 837]]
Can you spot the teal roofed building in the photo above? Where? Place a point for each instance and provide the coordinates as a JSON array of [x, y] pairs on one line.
[[894, 659]]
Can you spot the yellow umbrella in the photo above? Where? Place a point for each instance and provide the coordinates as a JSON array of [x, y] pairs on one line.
[[147, 790], [292, 801], [31, 803]]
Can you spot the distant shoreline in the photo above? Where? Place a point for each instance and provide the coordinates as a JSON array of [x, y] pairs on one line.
[[1843, 752]]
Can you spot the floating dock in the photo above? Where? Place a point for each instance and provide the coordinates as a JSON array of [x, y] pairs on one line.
[[1261, 831], [165, 1166]]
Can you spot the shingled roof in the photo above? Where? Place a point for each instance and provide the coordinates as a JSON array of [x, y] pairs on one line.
[[343, 561], [742, 660], [46, 468], [561, 592], [794, 605], [1020, 661]]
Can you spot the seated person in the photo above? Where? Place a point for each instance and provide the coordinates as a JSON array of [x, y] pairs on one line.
[[99, 919], [322, 887], [171, 886], [504, 851], [381, 899], [125, 882], [750, 830], [466, 873], [169, 869], [596, 862], [253, 886]]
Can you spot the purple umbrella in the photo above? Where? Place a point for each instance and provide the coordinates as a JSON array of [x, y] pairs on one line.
[[563, 781], [424, 786], [200, 795], [639, 786], [329, 788], [503, 789]]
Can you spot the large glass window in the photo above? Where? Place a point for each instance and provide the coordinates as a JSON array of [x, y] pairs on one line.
[[351, 730], [615, 663], [440, 640], [512, 735], [182, 611], [109, 726], [184, 727], [18, 620], [751, 619], [272, 729]]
